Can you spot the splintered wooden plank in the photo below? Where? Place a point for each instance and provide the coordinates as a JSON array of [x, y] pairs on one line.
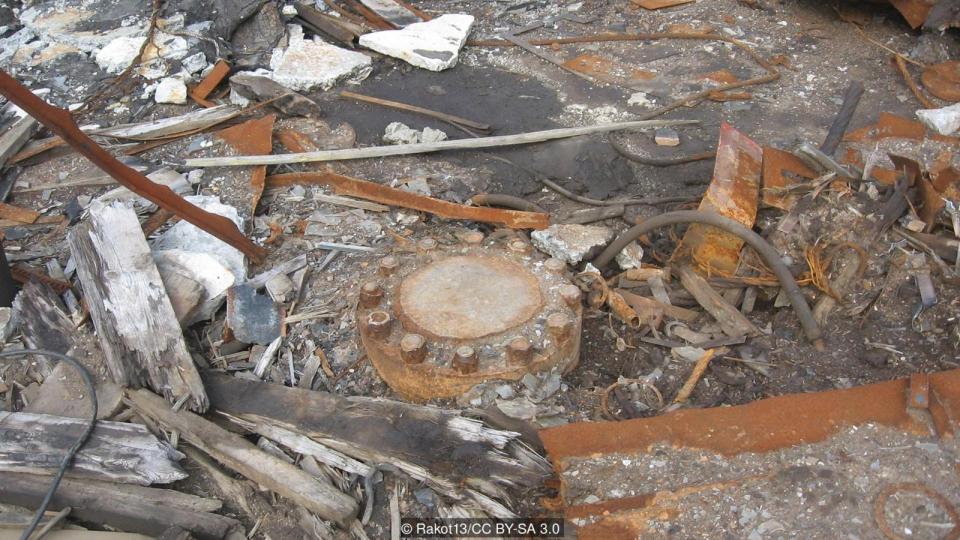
[[238, 454], [731, 321], [138, 330], [117, 452]]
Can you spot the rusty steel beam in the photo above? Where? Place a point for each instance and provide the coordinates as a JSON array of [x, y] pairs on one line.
[[61, 122]]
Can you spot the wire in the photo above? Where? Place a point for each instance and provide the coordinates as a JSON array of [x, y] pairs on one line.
[[68, 458]]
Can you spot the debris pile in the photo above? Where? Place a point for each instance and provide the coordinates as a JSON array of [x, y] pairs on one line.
[[628, 269]]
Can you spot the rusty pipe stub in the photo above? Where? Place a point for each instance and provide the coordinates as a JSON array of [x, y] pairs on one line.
[[448, 317]]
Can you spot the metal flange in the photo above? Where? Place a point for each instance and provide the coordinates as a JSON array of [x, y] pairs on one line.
[[440, 320]]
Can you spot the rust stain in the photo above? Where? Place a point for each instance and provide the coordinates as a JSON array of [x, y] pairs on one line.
[[734, 193], [642, 75], [914, 11], [591, 64], [943, 80], [61, 123], [370, 191], [17, 213], [213, 79], [764, 425], [25, 274], [659, 4], [780, 171], [892, 126], [721, 76], [252, 138]]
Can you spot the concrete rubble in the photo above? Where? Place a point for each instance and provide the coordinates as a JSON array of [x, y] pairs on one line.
[[571, 243], [433, 45], [305, 64]]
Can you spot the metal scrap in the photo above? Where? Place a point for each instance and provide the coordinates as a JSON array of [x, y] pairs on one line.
[[61, 123]]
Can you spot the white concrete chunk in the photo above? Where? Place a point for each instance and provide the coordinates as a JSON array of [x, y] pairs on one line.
[[571, 243], [171, 90], [944, 121], [119, 53], [307, 64], [433, 45]]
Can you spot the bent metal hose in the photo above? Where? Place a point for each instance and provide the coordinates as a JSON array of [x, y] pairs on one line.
[[762, 247]]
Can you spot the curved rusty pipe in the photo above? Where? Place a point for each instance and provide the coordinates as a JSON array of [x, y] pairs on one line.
[[761, 246], [503, 200]]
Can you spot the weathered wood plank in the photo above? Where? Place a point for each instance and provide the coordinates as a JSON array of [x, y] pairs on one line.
[[137, 327], [238, 454], [731, 321], [125, 507], [45, 322], [117, 452]]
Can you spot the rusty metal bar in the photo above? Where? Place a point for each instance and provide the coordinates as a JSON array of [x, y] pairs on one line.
[[61, 122]]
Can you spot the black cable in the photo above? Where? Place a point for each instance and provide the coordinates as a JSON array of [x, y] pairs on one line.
[[67, 459]]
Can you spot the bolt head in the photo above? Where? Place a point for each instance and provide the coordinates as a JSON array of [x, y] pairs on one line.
[[379, 323], [388, 265], [473, 238], [370, 294], [413, 348], [465, 359], [427, 244], [519, 246], [554, 265], [559, 325], [571, 295], [519, 350]]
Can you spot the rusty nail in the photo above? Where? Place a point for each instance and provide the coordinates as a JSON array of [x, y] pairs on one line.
[[370, 294], [571, 295], [519, 246], [465, 359], [559, 325], [427, 244], [555, 266], [473, 238], [378, 323], [519, 350], [388, 265], [413, 348]]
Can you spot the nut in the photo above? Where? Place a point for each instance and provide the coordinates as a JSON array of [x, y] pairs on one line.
[[370, 294], [389, 265], [519, 350], [379, 323], [555, 265], [427, 244], [465, 359], [413, 348], [473, 238], [559, 325], [519, 246], [571, 295]]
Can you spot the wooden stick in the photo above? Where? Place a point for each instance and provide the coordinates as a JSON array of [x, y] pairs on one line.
[[423, 148], [732, 322], [902, 66], [684, 394], [413, 108]]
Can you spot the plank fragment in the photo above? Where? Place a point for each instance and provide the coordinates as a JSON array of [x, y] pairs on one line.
[[732, 322]]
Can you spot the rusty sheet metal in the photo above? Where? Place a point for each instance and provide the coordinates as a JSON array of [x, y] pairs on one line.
[[213, 79], [780, 171], [252, 138], [914, 11], [943, 80], [659, 4], [370, 191], [60, 122], [893, 126], [733, 193]]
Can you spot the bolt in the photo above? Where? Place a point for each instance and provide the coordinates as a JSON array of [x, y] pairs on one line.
[[519, 350], [555, 266], [571, 295], [427, 244], [465, 359], [519, 246], [473, 238], [378, 323], [559, 325], [389, 265], [370, 294], [413, 348]]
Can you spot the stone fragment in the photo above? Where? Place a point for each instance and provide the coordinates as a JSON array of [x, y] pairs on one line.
[[666, 137], [179, 268], [521, 408], [431, 135], [119, 53], [571, 243], [630, 256], [944, 121], [280, 287], [171, 90], [63, 393], [400, 133], [252, 317], [307, 64], [433, 45]]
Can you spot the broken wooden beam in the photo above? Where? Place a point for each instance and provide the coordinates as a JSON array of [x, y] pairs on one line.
[[731, 321], [240, 455], [124, 507], [136, 325], [115, 452]]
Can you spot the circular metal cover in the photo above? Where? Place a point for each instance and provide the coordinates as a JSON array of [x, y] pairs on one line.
[[469, 297]]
